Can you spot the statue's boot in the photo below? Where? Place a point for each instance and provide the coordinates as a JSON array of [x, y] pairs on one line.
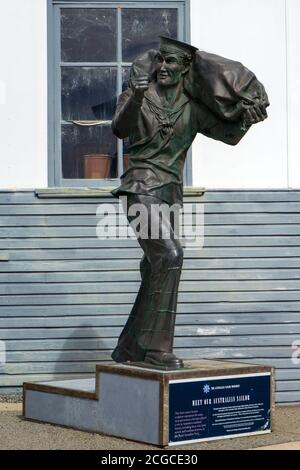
[[163, 359]]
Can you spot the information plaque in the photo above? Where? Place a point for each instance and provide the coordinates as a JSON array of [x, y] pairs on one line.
[[207, 399], [219, 407]]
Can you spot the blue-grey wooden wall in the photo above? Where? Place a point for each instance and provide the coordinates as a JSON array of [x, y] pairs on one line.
[[64, 295]]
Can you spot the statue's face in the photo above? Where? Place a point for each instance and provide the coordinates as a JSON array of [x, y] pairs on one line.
[[169, 69]]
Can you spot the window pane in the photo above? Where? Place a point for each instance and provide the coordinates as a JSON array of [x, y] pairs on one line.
[[88, 152], [88, 35], [125, 77], [88, 93], [141, 29], [125, 154]]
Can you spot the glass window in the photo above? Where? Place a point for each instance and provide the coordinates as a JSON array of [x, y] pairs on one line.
[[88, 93], [88, 151], [125, 77], [97, 45], [142, 27], [88, 35]]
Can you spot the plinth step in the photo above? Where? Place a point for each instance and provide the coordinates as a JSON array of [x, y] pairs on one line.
[[205, 400]]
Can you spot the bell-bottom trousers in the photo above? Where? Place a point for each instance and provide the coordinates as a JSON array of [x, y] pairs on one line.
[[151, 323]]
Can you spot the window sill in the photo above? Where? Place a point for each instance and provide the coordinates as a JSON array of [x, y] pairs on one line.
[[193, 191], [46, 193]]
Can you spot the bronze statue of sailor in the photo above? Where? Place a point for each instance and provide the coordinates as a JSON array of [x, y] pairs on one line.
[[173, 94]]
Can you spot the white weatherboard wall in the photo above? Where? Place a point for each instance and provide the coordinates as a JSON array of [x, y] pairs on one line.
[[293, 74], [263, 34], [23, 93], [253, 32]]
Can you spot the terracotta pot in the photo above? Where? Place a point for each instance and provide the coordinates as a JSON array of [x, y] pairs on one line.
[[96, 165], [125, 161]]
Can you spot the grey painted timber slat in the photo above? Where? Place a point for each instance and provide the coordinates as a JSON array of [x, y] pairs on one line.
[[120, 286], [83, 242], [288, 397], [249, 207], [136, 253], [119, 320], [287, 385], [48, 367], [65, 295], [15, 380], [209, 208], [287, 374], [89, 366], [10, 390], [251, 196], [88, 330], [90, 231], [272, 362], [279, 340], [207, 275], [91, 220], [87, 242], [97, 355], [129, 264], [221, 352], [121, 298], [285, 308]]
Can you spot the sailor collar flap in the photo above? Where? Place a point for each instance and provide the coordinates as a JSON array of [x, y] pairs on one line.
[[166, 116]]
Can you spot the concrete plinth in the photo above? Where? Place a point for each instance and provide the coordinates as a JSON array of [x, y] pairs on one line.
[[205, 400]]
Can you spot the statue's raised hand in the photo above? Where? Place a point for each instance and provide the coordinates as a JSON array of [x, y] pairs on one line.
[[255, 114], [139, 85]]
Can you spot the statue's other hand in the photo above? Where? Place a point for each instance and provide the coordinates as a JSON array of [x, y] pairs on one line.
[[255, 114], [139, 86]]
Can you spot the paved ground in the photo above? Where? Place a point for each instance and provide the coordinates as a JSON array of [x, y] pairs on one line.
[[11, 398], [287, 446], [16, 433]]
